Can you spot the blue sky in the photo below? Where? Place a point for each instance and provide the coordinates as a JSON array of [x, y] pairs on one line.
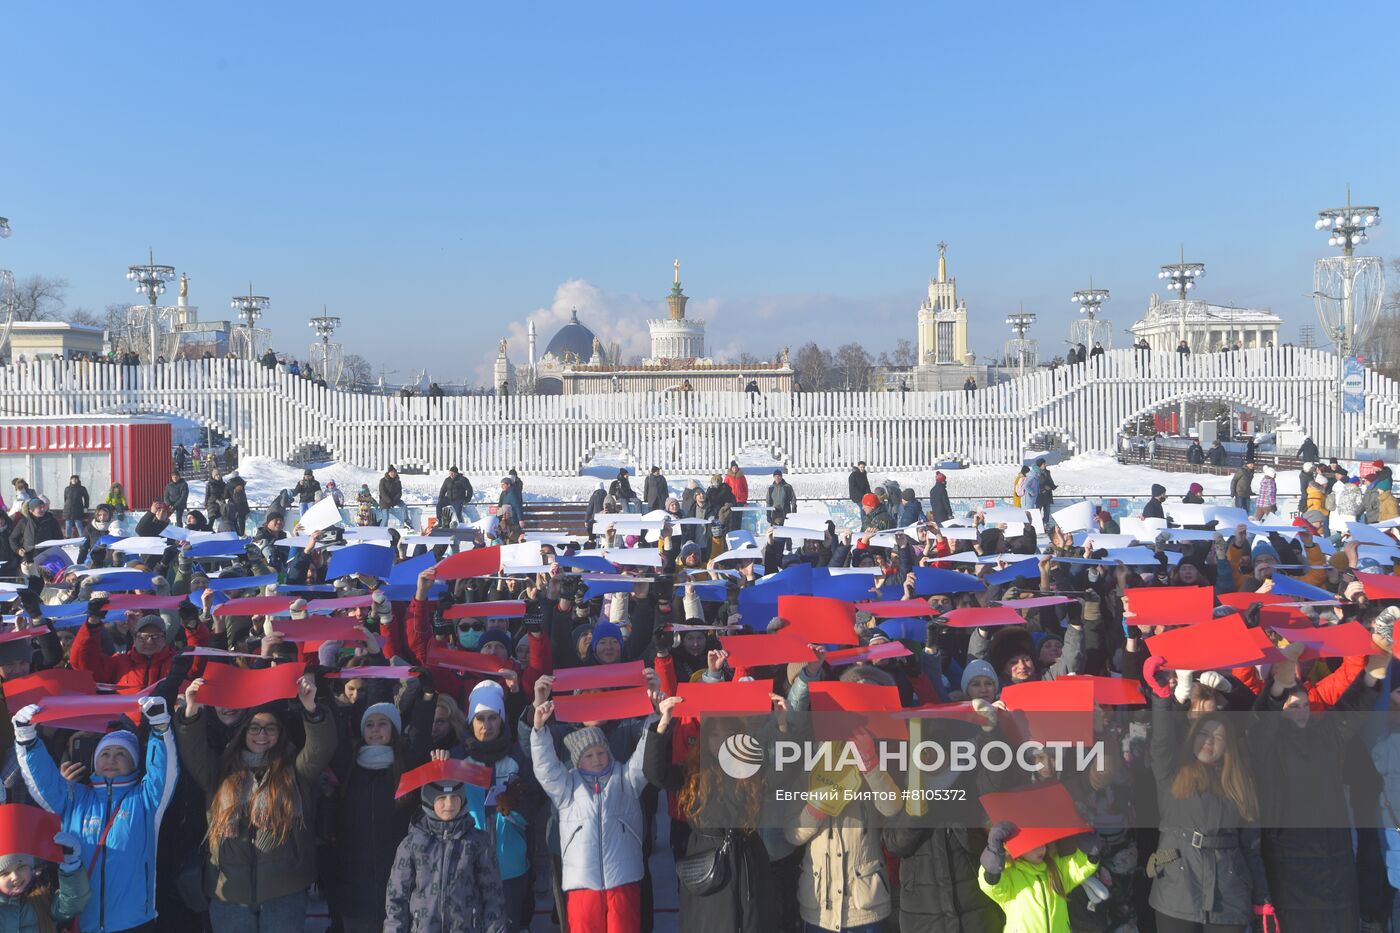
[[436, 173]]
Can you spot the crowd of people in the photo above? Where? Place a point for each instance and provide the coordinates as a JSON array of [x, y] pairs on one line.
[[430, 728]]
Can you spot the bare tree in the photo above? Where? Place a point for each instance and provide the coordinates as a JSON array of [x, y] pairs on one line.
[[82, 317], [40, 298], [1382, 346], [356, 370], [747, 359], [855, 366], [814, 367], [901, 358]]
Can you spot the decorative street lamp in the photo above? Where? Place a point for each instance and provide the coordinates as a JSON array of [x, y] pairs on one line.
[[1348, 289], [7, 292], [1181, 277], [1025, 351], [324, 326], [1090, 331], [250, 307], [4, 228], [150, 280]]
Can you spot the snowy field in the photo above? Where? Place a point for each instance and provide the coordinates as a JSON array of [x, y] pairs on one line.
[[1088, 475]]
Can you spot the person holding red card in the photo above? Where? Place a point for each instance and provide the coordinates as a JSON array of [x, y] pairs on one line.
[[602, 871], [261, 793], [117, 814], [1207, 873], [29, 901], [445, 878], [1032, 888], [148, 659]]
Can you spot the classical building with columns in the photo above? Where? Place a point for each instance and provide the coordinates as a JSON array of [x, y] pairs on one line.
[[1206, 328], [575, 362]]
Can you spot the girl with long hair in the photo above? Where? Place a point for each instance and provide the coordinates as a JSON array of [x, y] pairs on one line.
[[370, 823], [1207, 873], [721, 817], [30, 900], [261, 794]]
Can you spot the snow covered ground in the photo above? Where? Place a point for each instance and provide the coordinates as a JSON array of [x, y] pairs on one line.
[[1088, 475]]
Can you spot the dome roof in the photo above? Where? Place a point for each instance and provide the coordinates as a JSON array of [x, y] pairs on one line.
[[573, 338]]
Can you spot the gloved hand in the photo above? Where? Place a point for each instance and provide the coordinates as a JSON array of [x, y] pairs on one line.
[[1096, 891], [1151, 674], [1215, 681], [154, 709], [24, 732], [988, 712], [1184, 680], [994, 856], [72, 848]]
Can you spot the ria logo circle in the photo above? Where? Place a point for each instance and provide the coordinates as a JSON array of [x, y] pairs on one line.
[[741, 756]]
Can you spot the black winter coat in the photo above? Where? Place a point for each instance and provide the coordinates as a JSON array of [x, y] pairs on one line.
[[306, 490], [939, 508], [215, 492], [30, 531], [938, 890], [1311, 870], [655, 491], [455, 491], [1194, 454], [1216, 455], [857, 485], [177, 494], [745, 904], [1153, 509], [390, 491], [75, 502]]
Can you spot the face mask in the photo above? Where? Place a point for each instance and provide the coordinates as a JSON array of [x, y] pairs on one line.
[[468, 639], [1094, 576]]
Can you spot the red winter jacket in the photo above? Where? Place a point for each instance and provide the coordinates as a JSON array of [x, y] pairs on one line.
[[130, 671]]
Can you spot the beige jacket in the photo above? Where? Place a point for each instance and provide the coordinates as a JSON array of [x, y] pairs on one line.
[[843, 881]]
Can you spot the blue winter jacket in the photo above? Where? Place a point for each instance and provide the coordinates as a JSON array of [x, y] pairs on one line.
[[123, 873]]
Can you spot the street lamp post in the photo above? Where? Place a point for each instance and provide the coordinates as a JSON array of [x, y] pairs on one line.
[[1181, 277], [324, 325], [1348, 316], [250, 307], [1090, 300], [150, 280], [7, 292], [1020, 322]]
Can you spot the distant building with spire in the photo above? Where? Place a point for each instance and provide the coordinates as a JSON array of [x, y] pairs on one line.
[[942, 358], [576, 363]]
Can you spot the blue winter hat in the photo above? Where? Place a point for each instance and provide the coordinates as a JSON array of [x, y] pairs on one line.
[[124, 739], [604, 629], [388, 709], [1263, 549]]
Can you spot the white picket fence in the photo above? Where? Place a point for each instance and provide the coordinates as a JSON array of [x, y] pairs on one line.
[[270, 414]]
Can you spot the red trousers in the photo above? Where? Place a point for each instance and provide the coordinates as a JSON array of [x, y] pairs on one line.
[[617, 910]]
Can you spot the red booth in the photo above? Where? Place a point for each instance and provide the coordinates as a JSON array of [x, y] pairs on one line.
[[135, 452]]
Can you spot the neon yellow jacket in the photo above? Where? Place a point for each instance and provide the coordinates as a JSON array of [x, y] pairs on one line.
[[1025, 895]]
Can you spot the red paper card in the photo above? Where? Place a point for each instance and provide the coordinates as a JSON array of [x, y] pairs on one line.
[[326, 606], [763, 650], [245, 688], [1380, 585], [630, 703], [1243, 601], [472, 662], [853, 706], [477, 562], [626, 674], [734, 698], [23, 633], [961, 711], [1207, 646], [897, 609], [434, 772], [1333, 641], [1168, 605], [1055, 710], [889, 649], [26, 830], [255, 606], [144, 601], [819, 620], [1114, 691], [1042, 814], [65, 708], [307, 630], [22, 691], [380, 672], [499, 609], [1035, 602], [979, 617]]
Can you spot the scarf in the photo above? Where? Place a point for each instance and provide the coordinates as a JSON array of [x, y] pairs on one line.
[[375, 757], [488, 752], [251, 793]]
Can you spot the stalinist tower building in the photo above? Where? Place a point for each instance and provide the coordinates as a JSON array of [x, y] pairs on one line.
[[944, 361]]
